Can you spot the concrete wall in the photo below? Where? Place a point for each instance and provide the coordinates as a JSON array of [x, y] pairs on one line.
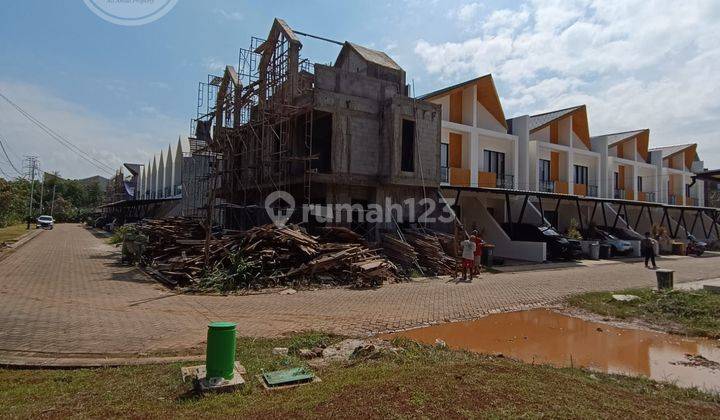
[[475, 215], [368, 114], [520, 128], [486, 120]]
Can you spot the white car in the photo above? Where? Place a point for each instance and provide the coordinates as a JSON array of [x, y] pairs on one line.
[[45, 222]]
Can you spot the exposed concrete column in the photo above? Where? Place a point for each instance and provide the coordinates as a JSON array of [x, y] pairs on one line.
[[533, 167], [521, 128], [600, 145], [660, 184], [571, 171], [683, 190], [700, 185]]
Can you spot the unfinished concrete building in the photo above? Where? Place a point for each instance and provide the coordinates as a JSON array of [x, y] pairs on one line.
[[346, 133]]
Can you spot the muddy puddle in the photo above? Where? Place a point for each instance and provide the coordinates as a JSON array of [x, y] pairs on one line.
[[545, 337]]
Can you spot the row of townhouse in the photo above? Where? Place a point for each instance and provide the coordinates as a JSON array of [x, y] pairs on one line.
[[172, 183], [568, 175], [554, 152]]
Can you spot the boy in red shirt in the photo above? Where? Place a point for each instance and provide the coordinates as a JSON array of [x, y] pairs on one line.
[[478, 250]]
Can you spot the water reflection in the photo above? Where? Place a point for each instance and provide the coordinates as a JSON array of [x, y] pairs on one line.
[[543, 336]]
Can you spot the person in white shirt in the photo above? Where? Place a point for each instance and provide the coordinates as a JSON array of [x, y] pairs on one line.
[[468, 257]]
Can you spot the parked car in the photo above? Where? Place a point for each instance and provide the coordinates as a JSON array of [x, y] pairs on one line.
[[617, 246], [558, 246], [45, 222], [622, 233], [695, 247]]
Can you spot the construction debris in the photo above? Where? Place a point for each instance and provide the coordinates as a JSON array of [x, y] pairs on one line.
[[264, 256], [413, 248]]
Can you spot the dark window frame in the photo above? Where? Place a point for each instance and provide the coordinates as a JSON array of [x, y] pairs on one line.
[[582, 175], [407, 146], [542, 168], [494, 162]]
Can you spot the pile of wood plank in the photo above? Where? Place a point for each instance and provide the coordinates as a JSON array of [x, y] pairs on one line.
[[431, 255], [414, 248], [277, 256]]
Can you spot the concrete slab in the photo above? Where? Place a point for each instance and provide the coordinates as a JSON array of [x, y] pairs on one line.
[[198, 376], [700, 285]]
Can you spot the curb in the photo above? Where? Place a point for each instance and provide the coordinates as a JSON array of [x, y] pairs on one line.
[[19, 362], [25, 238]]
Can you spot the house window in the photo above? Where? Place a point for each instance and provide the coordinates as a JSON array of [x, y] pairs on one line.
[[408, 146], [639, 184], [581, 174], [495, 162], [544, 170], [444, 160]]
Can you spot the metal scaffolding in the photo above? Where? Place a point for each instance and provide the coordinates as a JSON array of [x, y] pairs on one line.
[[261, 125]]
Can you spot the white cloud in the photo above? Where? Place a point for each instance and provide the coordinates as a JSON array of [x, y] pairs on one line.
[[236, 16], [467, 12], [634, 63], [112, 142], [214, 64]]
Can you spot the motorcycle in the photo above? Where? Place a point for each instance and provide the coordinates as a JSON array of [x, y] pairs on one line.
[[695, 247]]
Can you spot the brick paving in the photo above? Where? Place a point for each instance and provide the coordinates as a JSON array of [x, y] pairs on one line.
[[65, 294]]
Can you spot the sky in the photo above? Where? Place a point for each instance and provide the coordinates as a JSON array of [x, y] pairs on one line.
[[123, 93]]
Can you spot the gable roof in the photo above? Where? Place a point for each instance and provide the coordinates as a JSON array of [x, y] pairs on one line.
[[670, 151], [486, 94], [579, 122], [373, 56], [540, 121], [643, 136]]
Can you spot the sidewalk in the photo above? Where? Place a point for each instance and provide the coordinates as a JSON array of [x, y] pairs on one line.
[[65, 295]]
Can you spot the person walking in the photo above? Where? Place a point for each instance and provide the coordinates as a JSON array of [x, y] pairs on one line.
[[468, 257], [647, 245]]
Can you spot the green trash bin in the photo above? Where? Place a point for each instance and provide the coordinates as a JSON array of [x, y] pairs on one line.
[[220, 355]]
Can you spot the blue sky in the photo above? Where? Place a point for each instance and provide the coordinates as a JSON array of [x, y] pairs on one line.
[[123, 93]]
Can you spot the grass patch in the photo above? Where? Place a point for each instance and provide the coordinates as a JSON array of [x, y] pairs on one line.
[[12, 233], [420, 381], [684, 312]]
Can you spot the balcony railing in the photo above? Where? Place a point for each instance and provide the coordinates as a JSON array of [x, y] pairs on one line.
[[444, 174], [505, 181], [646, 196], [619, 194], [547, 186], [592, 191]]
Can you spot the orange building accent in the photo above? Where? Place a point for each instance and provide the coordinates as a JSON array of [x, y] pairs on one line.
[[460, 176], [561, 187], [455, 150], [456, 107], [554, 166], [487, 179]]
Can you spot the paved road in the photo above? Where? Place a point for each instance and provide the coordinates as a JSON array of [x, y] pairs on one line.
[[65, 294]]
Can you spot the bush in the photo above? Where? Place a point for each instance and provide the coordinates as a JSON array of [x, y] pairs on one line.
[[573, 232], [232, 274], [121, 233]]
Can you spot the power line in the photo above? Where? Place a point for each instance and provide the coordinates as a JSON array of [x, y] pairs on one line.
[[8, 157], [59, 138]]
